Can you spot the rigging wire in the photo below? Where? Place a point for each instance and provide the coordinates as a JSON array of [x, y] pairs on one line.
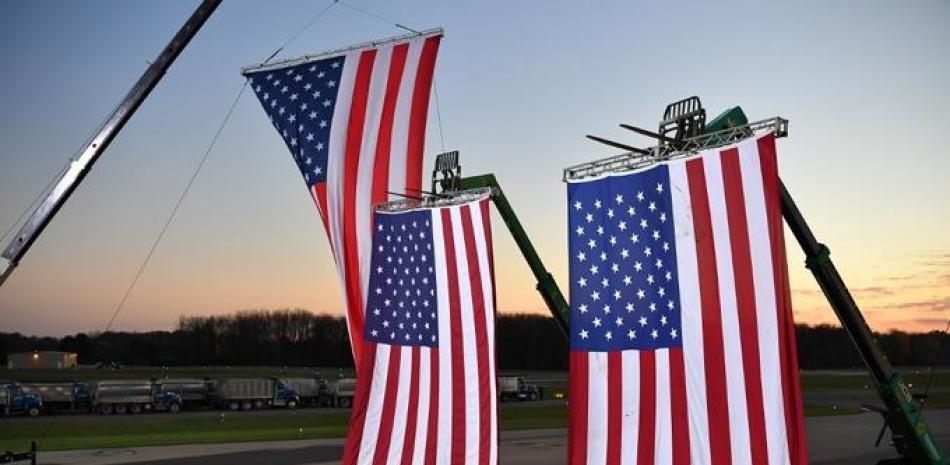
[[301, 31], [171, 216], [435, 84], [201, 164]]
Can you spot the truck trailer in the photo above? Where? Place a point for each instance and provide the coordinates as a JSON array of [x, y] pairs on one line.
[[343, 392], [194, 392], [132, 396], [312, 391], [61, 396], [253, 393]]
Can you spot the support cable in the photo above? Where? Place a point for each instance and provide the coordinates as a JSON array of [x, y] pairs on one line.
[[171, 216], [201, 164]]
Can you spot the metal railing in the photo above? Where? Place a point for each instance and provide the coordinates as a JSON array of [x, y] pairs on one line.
[[667, 151]]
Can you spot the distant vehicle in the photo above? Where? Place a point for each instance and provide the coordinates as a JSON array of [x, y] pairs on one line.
[[515, 388], [14, 401], [254, 393], [343, 391], [132, 396], [61, 396], [109, 366], [312, 391], [194, 392]]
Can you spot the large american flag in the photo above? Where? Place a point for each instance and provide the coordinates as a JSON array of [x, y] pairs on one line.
[[426, 390], [682, 340], [355, 123]]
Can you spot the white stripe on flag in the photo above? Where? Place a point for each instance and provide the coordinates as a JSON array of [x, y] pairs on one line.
[[630, 400], [400, 140], [364, 175], [335, 168], [691, 314], [422, 415], [374, 411], [597, 407], [488, 294], [765, 302], [469, 361], [444, 432], [731, 337], [664, 414], [402, 406]]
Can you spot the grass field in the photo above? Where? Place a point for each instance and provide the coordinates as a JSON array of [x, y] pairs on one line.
[[826, 393]]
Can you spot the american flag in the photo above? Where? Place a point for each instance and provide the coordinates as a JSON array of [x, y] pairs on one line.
[[355, 124], [426, 390], [682, 339]]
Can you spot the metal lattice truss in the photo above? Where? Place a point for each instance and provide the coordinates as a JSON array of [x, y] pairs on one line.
[[667, 151], [432, 201]]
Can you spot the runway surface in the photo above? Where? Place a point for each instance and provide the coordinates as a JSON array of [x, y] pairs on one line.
[[833, 440]]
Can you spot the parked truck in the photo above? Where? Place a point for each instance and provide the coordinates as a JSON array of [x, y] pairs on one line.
[[63, 396], [132, 396], [312, 391], [14, 401], [343, 392], [515, 388], [194, 392], [253, 393]]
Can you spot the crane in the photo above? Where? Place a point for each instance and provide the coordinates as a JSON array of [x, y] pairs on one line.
[[77, 169]]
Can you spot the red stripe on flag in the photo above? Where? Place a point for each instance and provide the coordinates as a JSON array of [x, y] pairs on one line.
[[486, 224], [419, 113], [409, 441], [678, 405], [646, 440], [615, 388], [481, 336], [716, 400], [320, 198], [577, 414], [397, 64], [745, 302], [364, 382], [351, 162], [458, 364], [384, 438], [433, 425], [791, 389]]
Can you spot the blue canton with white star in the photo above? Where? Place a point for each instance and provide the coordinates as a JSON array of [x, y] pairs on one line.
[[299, 101], [402, 304], [624, 286]]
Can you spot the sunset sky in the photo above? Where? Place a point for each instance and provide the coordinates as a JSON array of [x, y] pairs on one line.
[[864, 84]]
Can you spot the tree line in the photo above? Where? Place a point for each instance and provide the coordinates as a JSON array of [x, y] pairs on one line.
[[300, 338]]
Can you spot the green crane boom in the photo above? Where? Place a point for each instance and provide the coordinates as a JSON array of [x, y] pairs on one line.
[[909, 432], [548, 288]]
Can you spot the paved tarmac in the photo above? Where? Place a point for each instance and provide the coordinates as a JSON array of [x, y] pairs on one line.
[[833, 440]]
